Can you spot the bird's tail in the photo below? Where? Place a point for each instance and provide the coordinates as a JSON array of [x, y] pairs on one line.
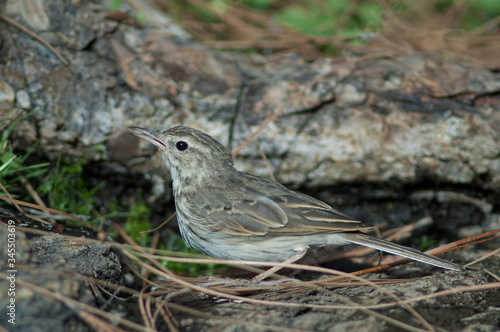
[[396, 249]]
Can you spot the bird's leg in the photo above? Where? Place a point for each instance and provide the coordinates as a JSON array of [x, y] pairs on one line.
[[298, 255]]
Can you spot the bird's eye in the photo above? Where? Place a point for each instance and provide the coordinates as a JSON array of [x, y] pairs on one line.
[[181, 145]]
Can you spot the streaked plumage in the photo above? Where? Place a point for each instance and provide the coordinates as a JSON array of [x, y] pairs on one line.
[[234, 215]]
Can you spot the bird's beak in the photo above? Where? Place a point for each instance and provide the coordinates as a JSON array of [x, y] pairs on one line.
[[151, 136]]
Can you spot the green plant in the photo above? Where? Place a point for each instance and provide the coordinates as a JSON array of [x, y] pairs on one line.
[[329, 18], [424, 242], [480, 12], [12, 162], [66, 188], [138, 223], [175, 243], [61, 187]]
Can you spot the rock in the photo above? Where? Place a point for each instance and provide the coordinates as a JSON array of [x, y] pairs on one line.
[[7, 96]]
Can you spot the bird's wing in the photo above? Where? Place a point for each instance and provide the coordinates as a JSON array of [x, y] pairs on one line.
[[247, 217], [260, 215], [307, 215]]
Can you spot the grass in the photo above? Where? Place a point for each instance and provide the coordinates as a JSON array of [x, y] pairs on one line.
[[66, 189], [13, 166]]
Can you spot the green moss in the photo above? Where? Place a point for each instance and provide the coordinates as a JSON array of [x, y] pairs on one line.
[[424, 243], [175, 243], [138, 222], [65, 188]]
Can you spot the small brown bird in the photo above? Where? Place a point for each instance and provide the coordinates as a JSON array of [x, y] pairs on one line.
[[229, 214]]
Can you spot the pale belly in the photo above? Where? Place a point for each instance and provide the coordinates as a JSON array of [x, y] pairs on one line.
[[255, 248]]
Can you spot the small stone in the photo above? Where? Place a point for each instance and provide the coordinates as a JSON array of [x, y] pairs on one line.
[[7, 96], [23, 100]]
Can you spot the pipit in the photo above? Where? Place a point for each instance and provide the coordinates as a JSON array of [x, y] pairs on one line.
[[229, 214]]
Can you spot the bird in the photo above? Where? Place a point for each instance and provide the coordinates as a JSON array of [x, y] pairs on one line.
[[228, 214]]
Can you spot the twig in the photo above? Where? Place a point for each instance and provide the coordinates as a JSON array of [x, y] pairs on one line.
[[34, 35], [17, 202], [162, 224], [34, 194]]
